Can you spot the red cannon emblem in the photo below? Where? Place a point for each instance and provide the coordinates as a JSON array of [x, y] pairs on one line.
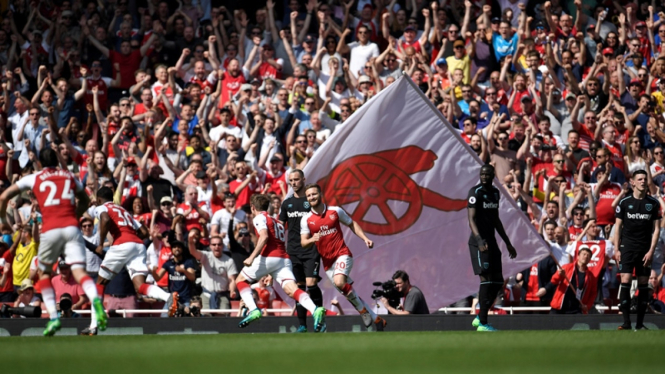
[[375, 179]]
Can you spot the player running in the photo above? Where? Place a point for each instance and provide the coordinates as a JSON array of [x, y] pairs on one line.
[[55, 191], [305, 261], [269, 257], [127, 251], [638, 229], [324, 222], [483, 206]]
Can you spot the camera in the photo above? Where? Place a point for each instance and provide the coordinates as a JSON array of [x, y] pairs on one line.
[[27, 311], [389, 291]]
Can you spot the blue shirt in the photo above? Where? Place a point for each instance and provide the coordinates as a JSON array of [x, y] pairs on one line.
[[503, 47], [464, 106], [480, 124], [305, 124], [67, 110], [191, 125], [502, 109], [178, 282]]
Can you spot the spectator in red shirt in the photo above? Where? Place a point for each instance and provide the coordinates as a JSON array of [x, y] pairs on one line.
[[64, 283]]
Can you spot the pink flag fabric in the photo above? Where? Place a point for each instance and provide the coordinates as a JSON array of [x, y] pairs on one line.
[[403, 173]]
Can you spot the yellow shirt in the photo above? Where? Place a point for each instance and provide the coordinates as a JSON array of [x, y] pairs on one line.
[[660, 104], [24, 255], [464, 63]]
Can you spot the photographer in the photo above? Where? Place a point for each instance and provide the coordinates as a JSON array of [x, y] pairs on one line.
[[414, 300]]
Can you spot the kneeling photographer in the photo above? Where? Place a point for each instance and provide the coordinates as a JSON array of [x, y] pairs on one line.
[[414, 300]]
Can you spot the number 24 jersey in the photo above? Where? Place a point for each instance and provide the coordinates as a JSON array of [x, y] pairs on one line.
[[54, 190]]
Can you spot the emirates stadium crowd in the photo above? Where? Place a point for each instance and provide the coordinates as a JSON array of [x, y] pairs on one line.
[[185, 109]]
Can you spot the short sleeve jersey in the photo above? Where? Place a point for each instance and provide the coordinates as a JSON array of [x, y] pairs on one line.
[[331, 243], [192, 219], [275, 246], [637, 216], [486, 203], [54, 190], [291, 212], [122, 225]]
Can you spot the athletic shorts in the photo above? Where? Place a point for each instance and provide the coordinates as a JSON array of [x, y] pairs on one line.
[[55, 242], [129, 255], [487, 262], [279, 268], [306, 266], [342, 265], [633, 260]]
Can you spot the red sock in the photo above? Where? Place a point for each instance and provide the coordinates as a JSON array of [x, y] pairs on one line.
[[346, 289], [44, 283], [100, 290], [242, 286], [297, 294], [143, 289]]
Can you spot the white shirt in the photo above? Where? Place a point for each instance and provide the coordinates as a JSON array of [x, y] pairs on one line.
[[222, 217], [216, 132], [215, 272], [560, 255], [360, 54], [17, 120], [92, 261]]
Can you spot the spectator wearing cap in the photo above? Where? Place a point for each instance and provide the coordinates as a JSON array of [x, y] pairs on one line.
[[361, 51], [304, 52], [504, 41], [26, 295], [410, 34], [181, 270], [461, 59], [218, 272], [604, 157], [64, 283], [273, 176], [494, 106]]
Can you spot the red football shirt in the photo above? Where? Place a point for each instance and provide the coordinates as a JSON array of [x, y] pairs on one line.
[[122, 226], [54, 190], [275, 247], [331, 244]]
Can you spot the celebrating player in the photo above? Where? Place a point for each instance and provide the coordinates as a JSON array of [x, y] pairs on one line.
[[324, 222], [55, 191], [127, 251], [483, 206], [638, 229], [269, 257], [305, 261]]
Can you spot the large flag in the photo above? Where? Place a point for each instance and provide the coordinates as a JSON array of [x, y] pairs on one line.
[[403, 173]]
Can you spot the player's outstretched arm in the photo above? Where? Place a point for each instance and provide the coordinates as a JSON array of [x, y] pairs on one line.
[[504, 236], [355, 227], [9, 193], [260, 243]]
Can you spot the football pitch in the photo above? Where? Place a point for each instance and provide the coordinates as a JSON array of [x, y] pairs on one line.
[[400, 352]]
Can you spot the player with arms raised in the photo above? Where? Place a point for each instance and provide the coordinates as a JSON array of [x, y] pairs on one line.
[[483, 207], [269, 257], [127, 251], [305, 261], [55, 191], [637, 231], [324, 222]]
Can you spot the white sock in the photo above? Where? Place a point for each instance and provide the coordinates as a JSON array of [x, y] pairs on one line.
[[93, 315], [247, 298], [304, 300], [355, 300], [90, 288], [157, 293], [48, 295], [369, 309]]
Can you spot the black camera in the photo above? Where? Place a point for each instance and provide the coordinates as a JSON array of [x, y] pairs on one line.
[[388, 290], [26, 311], [195, 311]]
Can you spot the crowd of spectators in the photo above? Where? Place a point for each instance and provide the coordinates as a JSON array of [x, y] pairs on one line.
[[187, 108]]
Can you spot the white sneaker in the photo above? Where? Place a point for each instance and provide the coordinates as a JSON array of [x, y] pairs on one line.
[[367, 318]]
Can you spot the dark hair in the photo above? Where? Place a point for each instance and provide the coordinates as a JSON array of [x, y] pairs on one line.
[[401, 274], [302, 175], [639, 172], [573, 132], [550, 222], [578, 208], [586, 249], [553, 202], [586, 221], [260, 202], [48, 158], [105, 193]]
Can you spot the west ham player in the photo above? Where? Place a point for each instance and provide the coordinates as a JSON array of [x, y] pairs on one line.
[[269, 257], [56, 191], [305, 261], [638, 229], [127, 251], [324, 222], [483, 207]]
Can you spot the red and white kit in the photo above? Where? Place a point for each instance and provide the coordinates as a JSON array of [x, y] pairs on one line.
[[127, 249], [273, 259], [335, 255], [54, 190], [601, 250]]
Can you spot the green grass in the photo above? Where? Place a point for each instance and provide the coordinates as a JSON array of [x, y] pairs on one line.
[[416, 352]]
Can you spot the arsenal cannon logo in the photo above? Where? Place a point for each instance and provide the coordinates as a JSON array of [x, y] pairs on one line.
[[375, 179]]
